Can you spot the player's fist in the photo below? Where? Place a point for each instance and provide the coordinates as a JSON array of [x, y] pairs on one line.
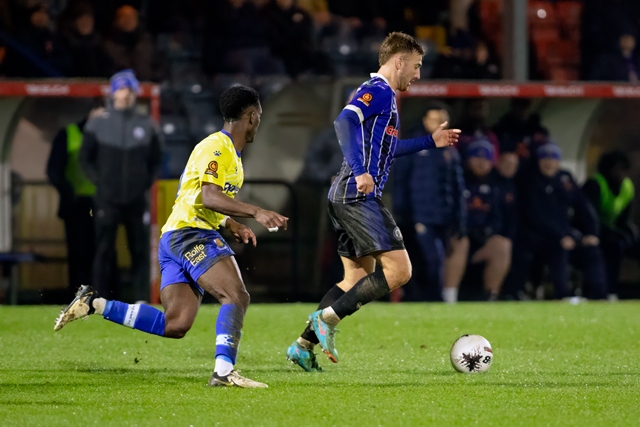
[[271, 219], [444, 137], [364, 183], [241, 232]]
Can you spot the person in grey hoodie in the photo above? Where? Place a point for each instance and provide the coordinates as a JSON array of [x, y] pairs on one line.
[[121, 155]]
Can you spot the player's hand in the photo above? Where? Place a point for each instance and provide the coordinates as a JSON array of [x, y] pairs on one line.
[[567, 243], [271, 219], [590, 240], [241, 232], [364, 183], [445, 137]]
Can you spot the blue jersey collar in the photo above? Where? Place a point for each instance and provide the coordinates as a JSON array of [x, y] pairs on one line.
[[229, 136], [380, 76]]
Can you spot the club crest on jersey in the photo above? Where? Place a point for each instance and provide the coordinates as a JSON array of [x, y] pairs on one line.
[[397, 234], [390, 130], [366, 99], [212, 169], [219, 243]]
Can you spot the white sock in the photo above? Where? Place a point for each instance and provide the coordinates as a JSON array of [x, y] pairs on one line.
[[330, 316], [99, 305], [450, 295], [306, 344], [223, 367]]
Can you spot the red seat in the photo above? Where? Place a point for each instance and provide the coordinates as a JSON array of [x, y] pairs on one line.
[[563, 73], [541, 14], [569, 13]]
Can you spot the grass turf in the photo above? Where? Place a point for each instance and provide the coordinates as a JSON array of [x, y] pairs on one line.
[[555, 364]]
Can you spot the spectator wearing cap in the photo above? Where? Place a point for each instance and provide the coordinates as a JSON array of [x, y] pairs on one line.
[[489, 251], [611, 192], [549, 204], [120, 154], [430, 210]]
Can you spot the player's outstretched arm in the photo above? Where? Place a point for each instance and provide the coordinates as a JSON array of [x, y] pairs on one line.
[[440, 138], [214, 198]]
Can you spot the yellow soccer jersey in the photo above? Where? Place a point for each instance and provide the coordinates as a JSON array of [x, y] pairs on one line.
[[214, 160]]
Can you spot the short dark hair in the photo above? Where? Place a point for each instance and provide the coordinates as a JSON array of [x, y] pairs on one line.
[[398, 42], [610, 160], [235, 100], [438, 106]]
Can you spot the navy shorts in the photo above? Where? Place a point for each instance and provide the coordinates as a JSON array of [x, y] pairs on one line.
[[187, 253], [364, 227]]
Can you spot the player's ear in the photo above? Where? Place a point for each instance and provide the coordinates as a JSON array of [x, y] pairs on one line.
[[399, 61]]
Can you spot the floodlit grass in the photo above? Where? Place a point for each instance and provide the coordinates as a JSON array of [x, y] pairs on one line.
[[555, 364]]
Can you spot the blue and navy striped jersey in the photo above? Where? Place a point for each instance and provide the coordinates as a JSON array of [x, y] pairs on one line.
[[372, 148]]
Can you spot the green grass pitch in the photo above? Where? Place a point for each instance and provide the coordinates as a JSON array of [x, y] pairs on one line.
[[555, 364]]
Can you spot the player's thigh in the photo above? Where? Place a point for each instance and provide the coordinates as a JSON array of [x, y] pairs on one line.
[[224, 282], [396, 266], [355, 269], [181, 303]]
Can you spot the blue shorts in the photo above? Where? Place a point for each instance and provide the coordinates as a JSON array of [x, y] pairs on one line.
[[187, 253]]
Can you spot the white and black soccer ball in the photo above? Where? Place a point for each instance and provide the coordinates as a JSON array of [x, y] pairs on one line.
[[471, 354]]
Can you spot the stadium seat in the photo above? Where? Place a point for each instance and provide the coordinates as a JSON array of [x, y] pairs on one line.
[[569, 13], [563, 73]]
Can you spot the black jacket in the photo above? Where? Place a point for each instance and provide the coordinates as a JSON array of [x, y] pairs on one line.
[[121, 155]]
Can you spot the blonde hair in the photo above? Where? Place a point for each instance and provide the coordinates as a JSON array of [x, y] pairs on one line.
[[398, 42]]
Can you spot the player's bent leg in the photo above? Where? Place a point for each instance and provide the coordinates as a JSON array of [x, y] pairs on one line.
[[181, 303], [224, 282], [137, 316], [396, 269], [301, 351]]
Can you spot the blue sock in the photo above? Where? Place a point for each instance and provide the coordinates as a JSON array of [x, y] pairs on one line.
[[228, 331], [137, 316]]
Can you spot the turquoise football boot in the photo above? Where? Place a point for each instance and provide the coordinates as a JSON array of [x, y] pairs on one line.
[[302, 357], [326, 335]]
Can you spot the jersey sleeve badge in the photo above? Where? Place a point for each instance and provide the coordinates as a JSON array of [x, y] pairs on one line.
[[366, 99], [212, 169]]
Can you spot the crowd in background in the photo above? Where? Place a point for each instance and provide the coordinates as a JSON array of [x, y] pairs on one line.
[[90, 38], [497, 212]]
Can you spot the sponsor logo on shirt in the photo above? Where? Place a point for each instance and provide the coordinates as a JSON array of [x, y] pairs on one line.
[[212, 169], [230, 188], [366, 99], [390, 130]]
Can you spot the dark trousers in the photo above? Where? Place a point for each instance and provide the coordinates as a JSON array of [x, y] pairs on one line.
[[426, 247], [549, 252], [79, 232], [107, 219], [615, 246], [590, 261]]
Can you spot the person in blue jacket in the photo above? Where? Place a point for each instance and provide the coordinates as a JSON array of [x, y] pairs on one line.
[[429, 207], [488, 246]]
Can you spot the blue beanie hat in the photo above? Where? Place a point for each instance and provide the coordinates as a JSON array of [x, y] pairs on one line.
[[124, 79], [549, 151], [480, 148]]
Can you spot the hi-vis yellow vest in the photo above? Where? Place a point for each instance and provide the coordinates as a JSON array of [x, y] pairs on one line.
[[78, 180], [611, 206]]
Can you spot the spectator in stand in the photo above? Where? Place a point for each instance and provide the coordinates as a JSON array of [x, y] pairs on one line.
[[474, 125], [430, 209], [504, 176], [130, 47], [521, 129], [455, 62], [482, 67], [611, 193], [546, 233], [121, 155], [35, 52], [623, 65], [86, 56], [76, 200], [488, 247], [291, 38], [236, 40]]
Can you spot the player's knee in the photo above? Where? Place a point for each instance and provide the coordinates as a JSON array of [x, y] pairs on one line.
[[176, 329], [240, 298]]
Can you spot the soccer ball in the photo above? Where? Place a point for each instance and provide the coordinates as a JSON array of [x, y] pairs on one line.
[[471, 353]]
